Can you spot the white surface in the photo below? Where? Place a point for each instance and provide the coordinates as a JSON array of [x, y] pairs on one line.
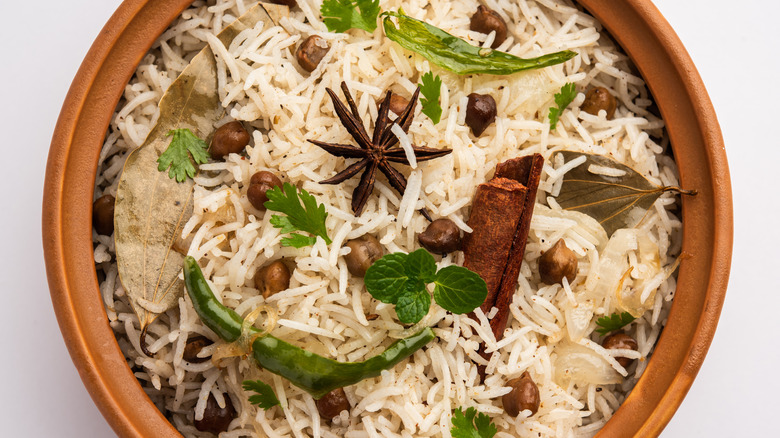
[[735, 49]]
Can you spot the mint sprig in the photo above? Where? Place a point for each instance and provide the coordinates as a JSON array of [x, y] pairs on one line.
[[402, 279]]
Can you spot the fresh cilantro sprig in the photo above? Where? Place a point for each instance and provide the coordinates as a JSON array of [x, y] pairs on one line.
[[342, 15], [613, 322], [401, 279], [562, 100], [466, 426], [265, 397], [431, 91], [177, 156], [303, 214]]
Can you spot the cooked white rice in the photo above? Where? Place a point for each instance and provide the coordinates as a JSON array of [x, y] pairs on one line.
[[324, 309]]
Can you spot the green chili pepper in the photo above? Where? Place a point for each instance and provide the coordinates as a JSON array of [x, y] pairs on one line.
[[315, 374]]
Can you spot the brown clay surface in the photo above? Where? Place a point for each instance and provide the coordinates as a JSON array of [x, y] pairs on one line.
[[636, 24]]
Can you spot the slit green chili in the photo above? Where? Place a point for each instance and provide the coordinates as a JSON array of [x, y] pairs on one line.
[[315, 374]]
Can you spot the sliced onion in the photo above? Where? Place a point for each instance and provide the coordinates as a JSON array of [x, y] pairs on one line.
[[578, 317], [243, 345], [582, 365]]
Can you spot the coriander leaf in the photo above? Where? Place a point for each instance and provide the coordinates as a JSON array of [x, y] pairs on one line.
[[420, 265], [386, 278], [456, 55], [613, 322], [265, 397], [464, 425], [177, 155], [459, 290], [303, 214], [431, 91], [412, 306], [562, 100], [298, 240], [342, 15]]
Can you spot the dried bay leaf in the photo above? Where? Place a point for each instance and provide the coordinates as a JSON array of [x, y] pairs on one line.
[[152, 208], [611, 200]]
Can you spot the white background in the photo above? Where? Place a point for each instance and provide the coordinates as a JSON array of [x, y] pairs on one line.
[[735, 47]]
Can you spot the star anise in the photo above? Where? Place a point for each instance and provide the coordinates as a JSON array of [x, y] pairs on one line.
[[376, 152]]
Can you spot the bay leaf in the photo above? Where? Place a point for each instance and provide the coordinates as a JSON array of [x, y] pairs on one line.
[[152, 208], [611, 200]]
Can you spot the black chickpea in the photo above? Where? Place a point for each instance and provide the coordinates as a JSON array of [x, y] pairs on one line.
[[103, 215], [193, 347], [524, 395], [366, 249], [230, 138], [556, 263], [215, 419], [441, 237], [332, 403], [272, 278], [597, 99], [620, 341], [310, 52], [397, 103], [260, 183], [480, 112], [486, 20]]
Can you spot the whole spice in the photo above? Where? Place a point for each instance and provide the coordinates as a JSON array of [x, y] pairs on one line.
[[558, 262], [620, 341], [597, 99], [441, 237], [315, 374], [310, 52], [486, 20], [332, 403], [480, 112], [272, 278], [524, 395], [230, 138], [215, 419], [375, 153], [193, 347], [364, 251], [260, 183], [103, 215]]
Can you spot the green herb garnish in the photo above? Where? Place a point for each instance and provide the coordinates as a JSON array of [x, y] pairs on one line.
[[303, 214], [265, 397], [401, 279], [431, 91], [177, 155], [342, 15], [562, 100], [613, 322], [466, 426], [456, 55]]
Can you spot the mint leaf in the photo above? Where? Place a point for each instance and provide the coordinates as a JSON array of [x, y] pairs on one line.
[[562, 100], [177, 156], [401, 279], [414, 304], [465, 426], [303, 214], [265, 397], [431, 91], [343, 15], [613, 322], [459, 290], [420, 265], [386, 279]]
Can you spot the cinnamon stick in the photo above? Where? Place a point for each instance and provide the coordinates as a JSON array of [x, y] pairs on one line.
[[495, 215], [501, 220]]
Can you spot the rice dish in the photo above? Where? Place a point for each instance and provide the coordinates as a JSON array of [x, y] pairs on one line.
[[325, 308]]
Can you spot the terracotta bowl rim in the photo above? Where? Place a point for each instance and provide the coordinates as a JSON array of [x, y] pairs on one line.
[[636, 25]]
